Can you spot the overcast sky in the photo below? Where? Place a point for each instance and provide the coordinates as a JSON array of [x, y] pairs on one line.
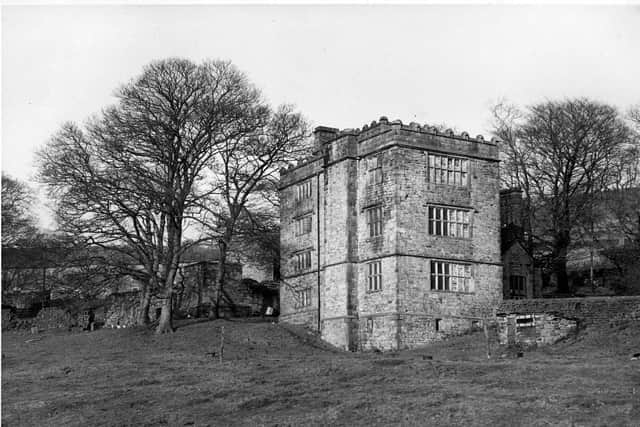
[[342, 66]]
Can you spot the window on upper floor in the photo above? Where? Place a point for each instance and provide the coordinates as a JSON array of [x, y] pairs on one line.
[[448, 170], [448, 222], [374, 220], [303, 225], [374, 276], [303, 190], [303, 298], [374, 169], [451, 276], [303, 261]]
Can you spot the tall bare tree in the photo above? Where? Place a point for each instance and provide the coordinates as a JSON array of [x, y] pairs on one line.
[[135, 176], [245, 200], [562, 154], [18, 225]]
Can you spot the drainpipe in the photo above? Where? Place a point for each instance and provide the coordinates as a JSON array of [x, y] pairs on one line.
[[318, 246]]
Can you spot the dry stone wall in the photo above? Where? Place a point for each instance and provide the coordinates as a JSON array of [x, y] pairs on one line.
[[545, 321], [54, 318]]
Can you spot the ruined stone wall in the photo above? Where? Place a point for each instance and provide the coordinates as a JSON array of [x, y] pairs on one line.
[[534, 329], [585, 310], [545, 321]]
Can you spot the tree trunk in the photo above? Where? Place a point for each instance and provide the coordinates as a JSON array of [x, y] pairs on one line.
[[165, 325], [560, 268], [220, 275], [145, 301], [202, 271], [171, 268]]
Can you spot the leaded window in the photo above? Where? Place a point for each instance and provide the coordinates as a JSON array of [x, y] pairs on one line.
[[448, 170], [448, 222], [451, 276], [374, 276]]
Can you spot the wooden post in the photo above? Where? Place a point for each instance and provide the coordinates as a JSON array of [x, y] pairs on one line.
[[486, 336], [221, 350]]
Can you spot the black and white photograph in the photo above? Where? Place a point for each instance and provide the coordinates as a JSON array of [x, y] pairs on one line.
[[367, 213]]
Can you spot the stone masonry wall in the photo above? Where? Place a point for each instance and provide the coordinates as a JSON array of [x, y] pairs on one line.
[[293, 281], [431, 314], [545, 321], [534, 329], [587, 310]]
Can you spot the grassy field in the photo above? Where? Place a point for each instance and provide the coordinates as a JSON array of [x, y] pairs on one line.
[[276, 376]]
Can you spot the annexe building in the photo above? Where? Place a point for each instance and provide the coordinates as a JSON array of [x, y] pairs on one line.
[[391, 235]]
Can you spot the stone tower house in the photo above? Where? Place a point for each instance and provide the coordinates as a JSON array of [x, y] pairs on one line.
[[391, 235]]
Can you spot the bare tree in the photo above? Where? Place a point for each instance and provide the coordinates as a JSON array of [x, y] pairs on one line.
[[562, 154], [245, 199], [18, 225], [134, 177]]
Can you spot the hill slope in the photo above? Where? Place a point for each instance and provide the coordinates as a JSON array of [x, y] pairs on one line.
[[273, 375]]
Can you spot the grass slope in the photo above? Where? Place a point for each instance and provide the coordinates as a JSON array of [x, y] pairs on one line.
[[273, 375]]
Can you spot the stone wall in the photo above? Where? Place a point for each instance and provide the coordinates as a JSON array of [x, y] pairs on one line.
[[54, 318], [294, 281], [534, 329], [586, 310], [545, 321], [121, 310]]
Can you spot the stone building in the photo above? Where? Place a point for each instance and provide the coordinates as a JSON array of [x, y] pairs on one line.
[[521, 278], [391, 235]]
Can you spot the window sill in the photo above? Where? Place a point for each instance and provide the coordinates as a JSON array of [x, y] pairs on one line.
[[451, 237], [442, 291], [461, 187]]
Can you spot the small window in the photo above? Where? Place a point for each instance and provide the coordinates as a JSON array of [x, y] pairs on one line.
[[303, 225], [374, 221], [374, 276], [303, 298], [448, 170], [525, 321], [303, 261], [448, 222], [374, 169], [517, 286], [450, 276], [303, 190]]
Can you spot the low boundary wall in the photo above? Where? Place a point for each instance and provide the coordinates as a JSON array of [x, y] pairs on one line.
[[545, 321]]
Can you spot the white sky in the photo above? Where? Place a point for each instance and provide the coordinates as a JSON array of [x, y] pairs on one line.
[[343, 66]]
